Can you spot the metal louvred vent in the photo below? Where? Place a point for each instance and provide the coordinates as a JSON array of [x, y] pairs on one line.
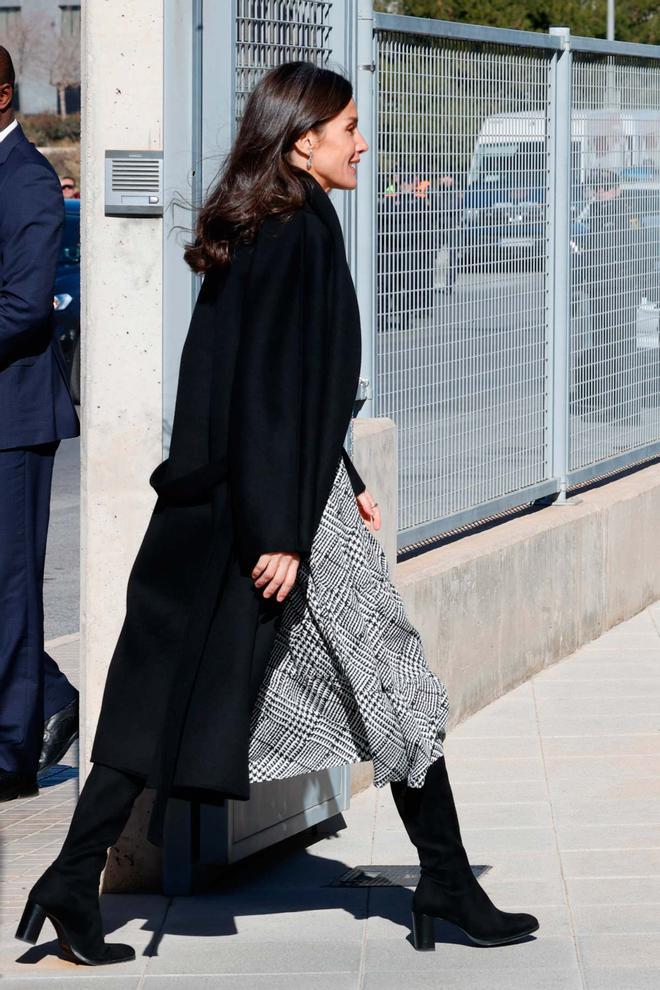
[[128, 175]]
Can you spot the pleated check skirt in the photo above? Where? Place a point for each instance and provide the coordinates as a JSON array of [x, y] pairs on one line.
[[347, 680]]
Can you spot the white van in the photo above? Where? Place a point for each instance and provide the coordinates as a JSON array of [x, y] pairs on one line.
[[512, 148]]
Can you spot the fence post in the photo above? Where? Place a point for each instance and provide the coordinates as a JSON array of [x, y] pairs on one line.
[[559, 272], [365, 198]]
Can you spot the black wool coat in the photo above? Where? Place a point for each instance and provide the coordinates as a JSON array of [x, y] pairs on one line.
[[267, 385]]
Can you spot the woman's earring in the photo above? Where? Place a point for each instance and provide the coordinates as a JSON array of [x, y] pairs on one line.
[[309, 160]]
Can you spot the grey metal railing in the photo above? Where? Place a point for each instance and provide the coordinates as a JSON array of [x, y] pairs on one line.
[[515, 323]]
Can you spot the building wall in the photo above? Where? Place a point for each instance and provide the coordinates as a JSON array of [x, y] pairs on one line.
[[38, 38]]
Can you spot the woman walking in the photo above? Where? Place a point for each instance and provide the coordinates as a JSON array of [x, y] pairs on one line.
[[263, 637]]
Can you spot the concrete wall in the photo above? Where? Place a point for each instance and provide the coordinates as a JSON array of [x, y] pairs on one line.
[[121, 336], [496, 607]]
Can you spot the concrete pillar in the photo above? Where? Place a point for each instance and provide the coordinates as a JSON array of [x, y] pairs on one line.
[[121, 331]]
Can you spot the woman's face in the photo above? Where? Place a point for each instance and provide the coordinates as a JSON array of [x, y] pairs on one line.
[[335, 152]]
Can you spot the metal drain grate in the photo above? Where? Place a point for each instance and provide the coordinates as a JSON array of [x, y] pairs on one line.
[[387, 876]]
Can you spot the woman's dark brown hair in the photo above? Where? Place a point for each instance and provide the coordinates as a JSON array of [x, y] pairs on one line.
[[257, 179]]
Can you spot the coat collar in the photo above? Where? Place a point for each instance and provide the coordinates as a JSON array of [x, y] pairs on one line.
[[10, 142], [320, 203]]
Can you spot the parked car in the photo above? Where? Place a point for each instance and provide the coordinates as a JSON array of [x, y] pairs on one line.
[[66, 299]]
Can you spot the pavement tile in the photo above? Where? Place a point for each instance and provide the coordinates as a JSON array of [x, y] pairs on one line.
[[601, 666], [586, 746], [231, 954], [467, 747], [495, 770], [611, 789], [326, 914], [623, 951], [616, 919], [595, 705], [488, 843], [537, 865], [600, 688], [503, 792], [639, 835], [255, 981], [496, 728], [478, 726], [300, 870], [612, 863], [622, 639], [615, 890], [632, 811], [471, 747], [523, 894], [612, 767], [471, 978], [599, 725], [617, 978], [387, 955], [82, 982], [389, 847], [515, 814]]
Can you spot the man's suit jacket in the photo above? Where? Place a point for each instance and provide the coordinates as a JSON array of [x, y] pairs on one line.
[[35, 401]]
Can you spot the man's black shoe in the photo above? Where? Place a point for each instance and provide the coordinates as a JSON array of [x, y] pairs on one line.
[[17, 785], [60, 731]]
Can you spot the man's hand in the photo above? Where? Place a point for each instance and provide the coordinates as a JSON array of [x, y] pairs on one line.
[[276, 571], [369, 510]]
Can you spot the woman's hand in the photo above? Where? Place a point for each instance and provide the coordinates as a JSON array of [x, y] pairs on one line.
[[369, 510], [277, 571]]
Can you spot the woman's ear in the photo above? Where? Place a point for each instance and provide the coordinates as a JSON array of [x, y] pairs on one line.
[[304, 144]]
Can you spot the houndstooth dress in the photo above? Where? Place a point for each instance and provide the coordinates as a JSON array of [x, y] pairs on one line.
[[346, 679]]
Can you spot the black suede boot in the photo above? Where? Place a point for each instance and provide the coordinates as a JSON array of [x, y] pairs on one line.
[[448, 888], [68, 892]]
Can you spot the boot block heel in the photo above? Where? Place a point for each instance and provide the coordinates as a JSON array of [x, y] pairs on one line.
[[31, 923], [423, 932]]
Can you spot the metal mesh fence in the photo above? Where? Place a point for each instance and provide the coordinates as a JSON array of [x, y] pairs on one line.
[[462, 348], [615, 270], [269, 32]]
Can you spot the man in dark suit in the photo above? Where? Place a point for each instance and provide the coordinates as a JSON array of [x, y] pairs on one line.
[[38, 705]]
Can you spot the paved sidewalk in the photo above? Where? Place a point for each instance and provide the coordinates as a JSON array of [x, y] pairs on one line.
[[558, 786]]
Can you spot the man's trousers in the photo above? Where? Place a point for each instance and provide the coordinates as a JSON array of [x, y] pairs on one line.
[[32, 688]]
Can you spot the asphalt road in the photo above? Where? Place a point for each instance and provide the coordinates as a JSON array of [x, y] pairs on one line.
[[62, 574]]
